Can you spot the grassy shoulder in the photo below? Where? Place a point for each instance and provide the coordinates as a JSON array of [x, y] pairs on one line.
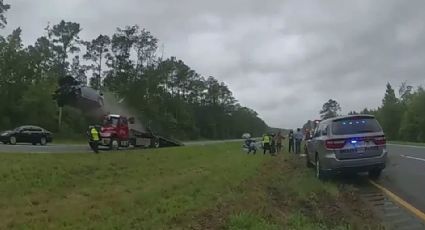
[[196, 187], [406, 143], [286, 195]]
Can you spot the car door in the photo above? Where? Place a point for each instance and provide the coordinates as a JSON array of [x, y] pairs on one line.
[[322, 134], [23, 135], [317, 143], [311, 144], [35, 134]]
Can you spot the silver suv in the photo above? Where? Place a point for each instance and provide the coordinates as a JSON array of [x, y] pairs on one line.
[[354, 143]]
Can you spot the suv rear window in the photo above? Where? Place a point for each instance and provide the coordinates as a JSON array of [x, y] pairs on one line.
[[355, 125]]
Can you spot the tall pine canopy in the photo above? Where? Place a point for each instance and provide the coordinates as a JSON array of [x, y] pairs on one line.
[[166, 94]]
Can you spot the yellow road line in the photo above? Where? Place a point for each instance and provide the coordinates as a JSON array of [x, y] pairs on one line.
[[400, 201]]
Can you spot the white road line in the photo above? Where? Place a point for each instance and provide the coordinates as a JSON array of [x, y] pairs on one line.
[[414, 158], [409, 146]]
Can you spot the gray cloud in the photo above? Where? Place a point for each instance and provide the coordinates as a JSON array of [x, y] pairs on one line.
[[282, 58]]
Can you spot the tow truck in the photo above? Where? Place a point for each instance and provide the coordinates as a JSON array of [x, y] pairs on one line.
[[117, 131]]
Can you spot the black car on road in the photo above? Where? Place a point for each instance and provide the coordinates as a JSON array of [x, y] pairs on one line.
[[26, 134]]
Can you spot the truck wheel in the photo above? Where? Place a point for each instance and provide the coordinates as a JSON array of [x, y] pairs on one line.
[[12, 140], [155, 143], [114, 145]]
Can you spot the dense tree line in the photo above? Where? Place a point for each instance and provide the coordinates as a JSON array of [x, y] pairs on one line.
[[166, 94], [402, 117]]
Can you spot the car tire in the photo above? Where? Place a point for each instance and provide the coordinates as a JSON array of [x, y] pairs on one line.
[[34, 143], [307, 162], [12, 140], [43, 141], [320, 173], [114, 145], [375, 173]]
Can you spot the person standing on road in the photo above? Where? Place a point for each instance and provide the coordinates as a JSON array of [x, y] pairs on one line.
[[291, 141], [279, 142], [266, 143], [298, 139], [94, 139]]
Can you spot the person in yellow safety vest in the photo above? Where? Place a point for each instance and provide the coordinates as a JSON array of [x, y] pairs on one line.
[[266, 143], [94, 139]]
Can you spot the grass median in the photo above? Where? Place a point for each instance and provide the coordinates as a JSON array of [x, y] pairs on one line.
[[196, 187]]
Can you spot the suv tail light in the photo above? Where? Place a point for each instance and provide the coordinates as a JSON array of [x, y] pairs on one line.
[[380, 140], [335, 144]]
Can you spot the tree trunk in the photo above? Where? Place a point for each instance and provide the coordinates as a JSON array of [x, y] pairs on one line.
[[60, 119]]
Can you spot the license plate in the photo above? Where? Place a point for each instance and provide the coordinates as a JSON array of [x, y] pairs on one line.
[[372, 148], [360, 150]]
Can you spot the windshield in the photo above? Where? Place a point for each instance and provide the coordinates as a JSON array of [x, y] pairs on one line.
[[18, 129], [111, 121], [355, 126]]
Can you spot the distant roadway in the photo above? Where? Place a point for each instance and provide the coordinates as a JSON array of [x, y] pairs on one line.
[[76, 148]]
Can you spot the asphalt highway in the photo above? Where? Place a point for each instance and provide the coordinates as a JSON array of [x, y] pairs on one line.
[[405, 174]]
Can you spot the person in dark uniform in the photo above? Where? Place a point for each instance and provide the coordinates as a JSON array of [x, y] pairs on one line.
[[291, 141], [272, 145]]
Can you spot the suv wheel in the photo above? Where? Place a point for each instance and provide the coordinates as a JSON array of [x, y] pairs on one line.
[[375, 173], [320, 174], [43, 141], [307, 161], [12, 140]]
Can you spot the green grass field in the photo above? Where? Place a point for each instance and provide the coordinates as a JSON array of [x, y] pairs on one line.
[[197, 187]]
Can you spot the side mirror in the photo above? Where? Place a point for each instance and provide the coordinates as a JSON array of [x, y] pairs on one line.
[[131, 120]]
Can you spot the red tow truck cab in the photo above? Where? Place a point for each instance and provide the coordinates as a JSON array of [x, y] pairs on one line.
[[116, 132]]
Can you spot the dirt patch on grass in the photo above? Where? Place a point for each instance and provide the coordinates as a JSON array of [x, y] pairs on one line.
[[285, 195]]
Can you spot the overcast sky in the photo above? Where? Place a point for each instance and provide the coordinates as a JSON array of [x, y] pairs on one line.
[[282, 58]]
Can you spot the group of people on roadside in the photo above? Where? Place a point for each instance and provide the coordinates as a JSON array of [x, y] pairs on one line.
[[273, 143], [295, 139], [270, 142]]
